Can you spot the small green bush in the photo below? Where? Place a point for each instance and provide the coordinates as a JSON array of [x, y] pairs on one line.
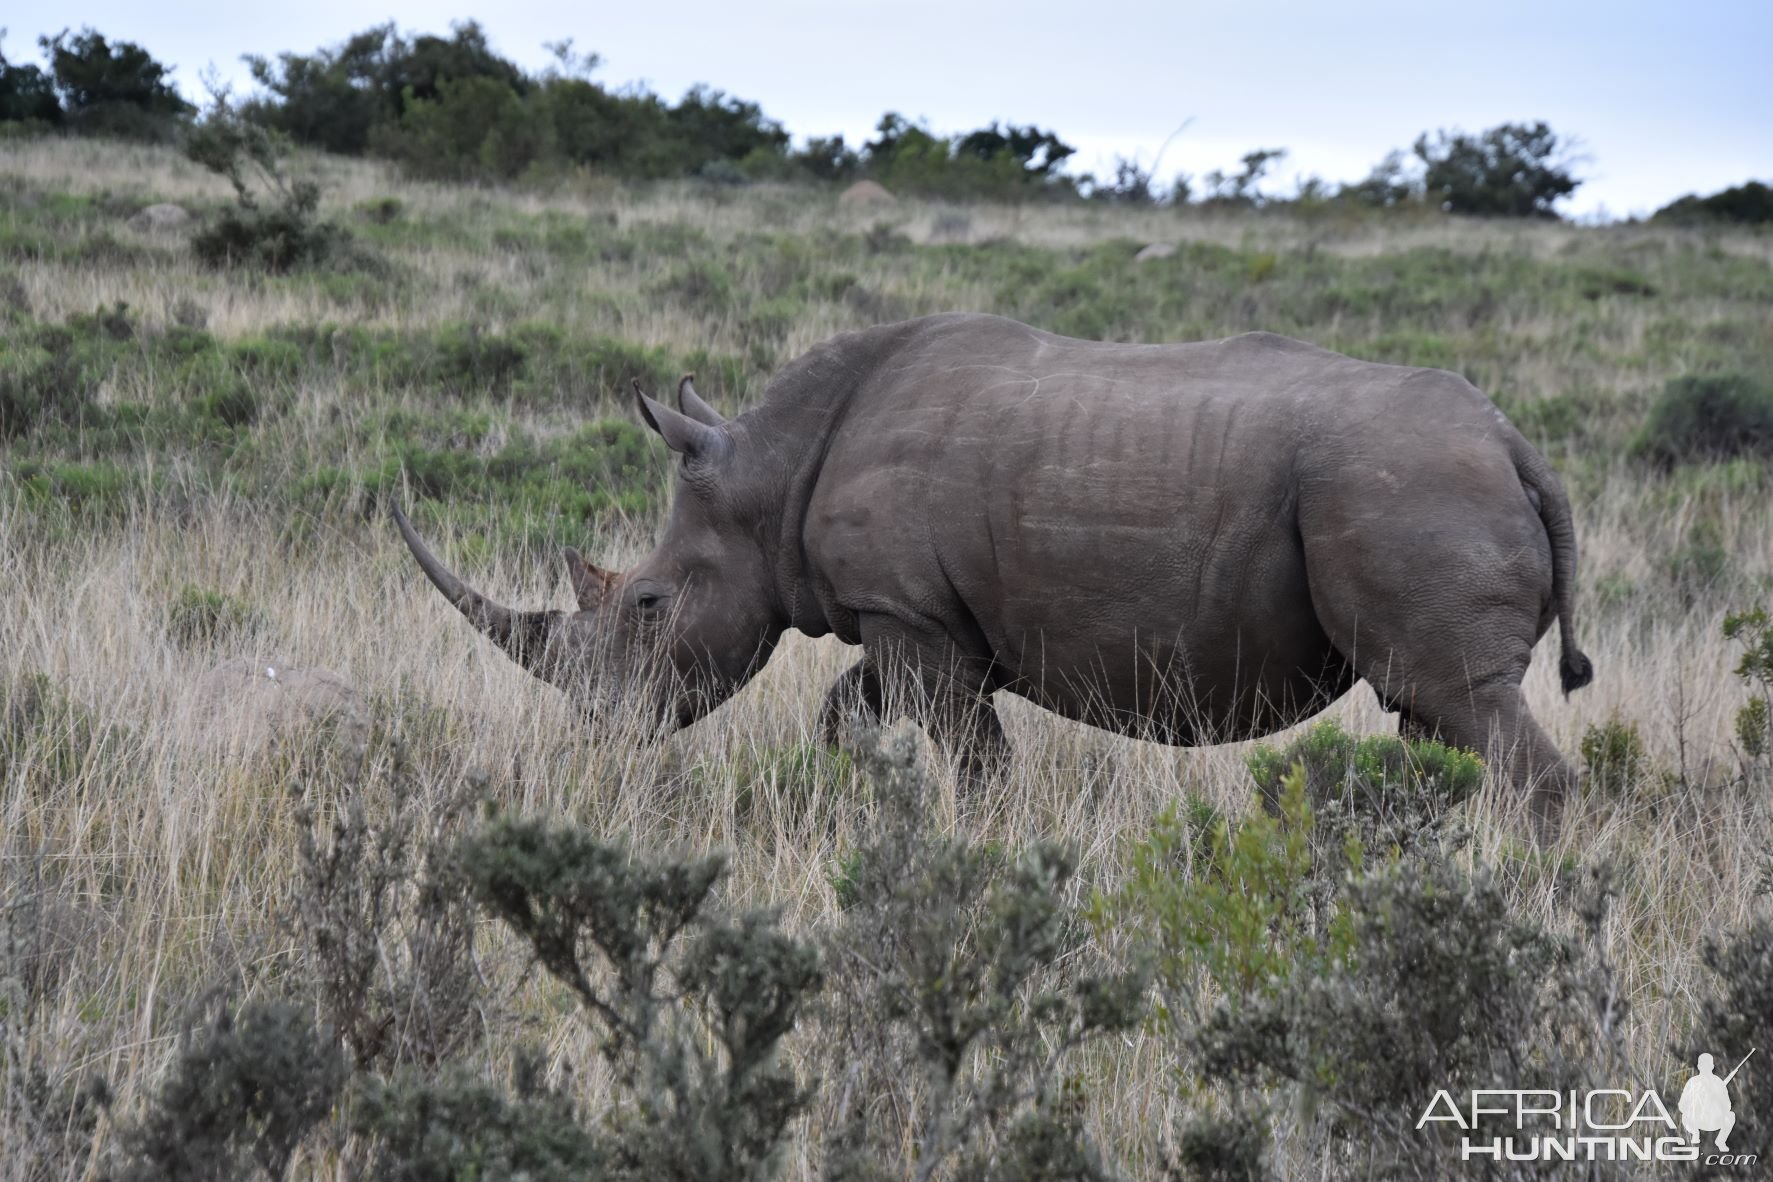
[[693, 1005], [1596, 282], [1614, 756], [1709, 417], [1216, 1148], [460, 1125], [240, 1098], [281, 236], [1753, 630], [1346, 992], [202, 618], [99, 489], [1382, 789], [949, 1013], [290, 234]]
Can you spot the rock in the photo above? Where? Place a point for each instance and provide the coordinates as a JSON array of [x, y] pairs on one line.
[[1157, 250], [865, 193], [160, 218], [249, 702]]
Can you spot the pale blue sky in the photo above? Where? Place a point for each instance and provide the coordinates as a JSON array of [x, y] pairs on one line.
[[1666, 97]]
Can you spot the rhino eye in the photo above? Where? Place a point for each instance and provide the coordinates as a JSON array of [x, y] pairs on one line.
[[648, 602]]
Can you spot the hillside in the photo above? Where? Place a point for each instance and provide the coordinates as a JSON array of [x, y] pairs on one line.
[[195, 464]]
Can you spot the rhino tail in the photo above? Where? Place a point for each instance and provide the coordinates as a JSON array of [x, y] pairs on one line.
[[1575, 670]]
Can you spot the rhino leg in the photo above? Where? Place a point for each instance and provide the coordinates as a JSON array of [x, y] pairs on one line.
[[1444, 636], [856, 692], [946, 691]]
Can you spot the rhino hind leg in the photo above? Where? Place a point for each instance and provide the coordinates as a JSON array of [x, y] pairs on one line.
[[1448, 654], [855, 694]]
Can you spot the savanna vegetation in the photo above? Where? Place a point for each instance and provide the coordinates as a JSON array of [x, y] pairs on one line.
[[446, 932]]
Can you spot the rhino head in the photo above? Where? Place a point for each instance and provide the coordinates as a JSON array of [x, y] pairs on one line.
[[675, 636]]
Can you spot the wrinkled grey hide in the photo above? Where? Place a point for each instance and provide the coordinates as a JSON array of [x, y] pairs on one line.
[[1189, 543]]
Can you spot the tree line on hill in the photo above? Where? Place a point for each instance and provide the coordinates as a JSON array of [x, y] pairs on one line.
[[452, 108]]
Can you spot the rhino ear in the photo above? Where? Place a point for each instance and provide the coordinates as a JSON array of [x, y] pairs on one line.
[[681, 433], [691, 404], [590, 583]]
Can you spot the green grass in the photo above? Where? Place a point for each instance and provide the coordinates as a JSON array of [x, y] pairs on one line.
[[194, 463]]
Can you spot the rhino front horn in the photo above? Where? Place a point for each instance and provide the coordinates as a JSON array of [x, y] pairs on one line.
[[527, 636]]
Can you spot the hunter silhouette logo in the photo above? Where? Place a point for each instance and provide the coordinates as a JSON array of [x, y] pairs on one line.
[[1705, 1102]]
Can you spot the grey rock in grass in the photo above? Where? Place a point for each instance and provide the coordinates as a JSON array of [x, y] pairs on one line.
[[250, 701], [866, 193]]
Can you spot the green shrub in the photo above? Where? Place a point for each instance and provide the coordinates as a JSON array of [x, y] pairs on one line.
[[1710, 417], [1229, 903], [1345, 992], [692, 1005], [950, 1017], [1596, 282], [290, 234], [201, 618], [96, 489], [1753, 630], [1613, 753], [283, 235], [241, 1097], [50, 374], [1381, 789], [1214, 1148], [459, 1125]]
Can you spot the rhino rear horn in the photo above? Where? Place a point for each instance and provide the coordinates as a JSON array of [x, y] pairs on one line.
[[528, 637], [691, 404], [681, 433]]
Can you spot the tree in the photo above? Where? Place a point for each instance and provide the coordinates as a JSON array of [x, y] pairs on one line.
[[1240, 188], [1039, 153], [334, 97], [1749, 204], [828, 158], [114, 89], [26, 92], [1512, 170], [720, 126], [1390, 183]]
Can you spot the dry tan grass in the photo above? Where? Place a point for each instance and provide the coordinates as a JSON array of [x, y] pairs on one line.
[[174, 852]]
